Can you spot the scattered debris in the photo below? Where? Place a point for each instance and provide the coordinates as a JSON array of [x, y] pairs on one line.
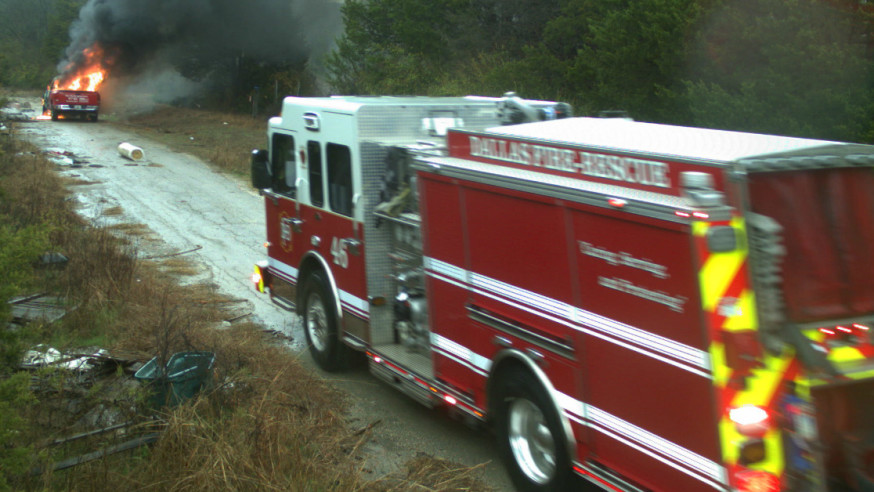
[[192, 250], [60, 157], [237, 318], [37, 307], [131, 151], [44, 356], [52, 261], [100, 453], [15, 112]]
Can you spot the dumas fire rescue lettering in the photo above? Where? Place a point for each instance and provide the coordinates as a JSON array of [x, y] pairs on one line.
[[627, 169]]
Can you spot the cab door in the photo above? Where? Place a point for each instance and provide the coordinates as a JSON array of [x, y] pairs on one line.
[[282, 208], [329, 225]]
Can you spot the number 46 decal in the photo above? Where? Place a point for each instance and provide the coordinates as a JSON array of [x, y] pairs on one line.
[[340, 253]]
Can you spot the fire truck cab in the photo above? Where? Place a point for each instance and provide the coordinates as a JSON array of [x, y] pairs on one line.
[[648, 307]]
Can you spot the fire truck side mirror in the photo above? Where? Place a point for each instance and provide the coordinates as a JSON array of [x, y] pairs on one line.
[[261, 178]]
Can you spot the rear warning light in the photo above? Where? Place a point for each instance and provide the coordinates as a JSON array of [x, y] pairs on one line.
[[756, 481], [258, 279], [376, 359], [846, 332], [750, 420], [689, 215]]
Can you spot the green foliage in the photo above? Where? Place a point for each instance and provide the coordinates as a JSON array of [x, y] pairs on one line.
[[32, 37], [796, 67], [19, 248], [799, 67], [14, 451]]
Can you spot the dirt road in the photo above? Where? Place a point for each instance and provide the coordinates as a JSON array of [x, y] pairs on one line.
[[219, 222]]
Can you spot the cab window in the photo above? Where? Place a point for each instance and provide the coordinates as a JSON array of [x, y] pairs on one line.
[[314, 161], [282, 164], [339, 161]]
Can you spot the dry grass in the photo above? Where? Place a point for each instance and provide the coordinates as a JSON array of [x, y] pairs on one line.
[[225, 140], [179, 267], [264, 423], [140, 231], [426, 473], [113, 211]]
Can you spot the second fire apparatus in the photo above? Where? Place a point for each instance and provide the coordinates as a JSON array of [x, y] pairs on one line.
[[649, 307]]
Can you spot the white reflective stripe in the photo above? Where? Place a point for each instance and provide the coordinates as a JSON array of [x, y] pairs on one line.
[[629, 434], [682, 455], [707, 480], [447, 269], [599, 334], [288, 271], [461, 354], [600, 326], [651, 444], [543, 303], [688, 354], [353, 303], [571, 405]]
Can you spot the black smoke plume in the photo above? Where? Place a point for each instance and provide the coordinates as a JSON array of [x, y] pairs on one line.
[[181, 45]]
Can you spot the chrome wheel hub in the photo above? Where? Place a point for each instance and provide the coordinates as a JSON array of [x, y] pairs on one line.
[[531, 442], [317, 322]]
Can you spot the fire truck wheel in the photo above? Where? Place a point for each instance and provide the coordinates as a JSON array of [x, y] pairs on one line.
[[54, 115], [320, 325], [530, 436]]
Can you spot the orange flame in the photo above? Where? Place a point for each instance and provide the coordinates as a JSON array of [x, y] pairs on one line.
[[89, 76]]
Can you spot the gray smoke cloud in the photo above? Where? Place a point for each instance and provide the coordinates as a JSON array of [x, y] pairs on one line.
[[192, 39]]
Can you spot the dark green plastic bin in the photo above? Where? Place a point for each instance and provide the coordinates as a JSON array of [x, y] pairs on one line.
[[185, 374]]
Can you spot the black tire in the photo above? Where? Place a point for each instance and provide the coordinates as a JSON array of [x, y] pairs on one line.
[[54, 115], [320, 325], [93, 117], [531, 439]]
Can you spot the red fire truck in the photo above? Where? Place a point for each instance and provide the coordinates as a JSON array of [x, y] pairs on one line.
[[649, 307]]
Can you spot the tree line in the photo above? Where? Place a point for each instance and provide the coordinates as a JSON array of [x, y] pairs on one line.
[[793, 67], [33, 35]]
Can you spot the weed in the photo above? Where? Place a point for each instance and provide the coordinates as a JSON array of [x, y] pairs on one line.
[[113, 211]]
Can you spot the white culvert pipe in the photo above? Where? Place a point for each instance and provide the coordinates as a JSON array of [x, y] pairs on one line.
[[131, 151]]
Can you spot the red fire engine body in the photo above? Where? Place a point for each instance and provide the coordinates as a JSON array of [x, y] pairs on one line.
[[648, 307]]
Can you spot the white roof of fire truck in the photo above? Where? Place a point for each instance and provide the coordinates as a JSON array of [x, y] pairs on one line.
[[352, 104], [675, 142]]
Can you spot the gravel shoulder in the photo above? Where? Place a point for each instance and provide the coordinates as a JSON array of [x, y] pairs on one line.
[[217, 221]]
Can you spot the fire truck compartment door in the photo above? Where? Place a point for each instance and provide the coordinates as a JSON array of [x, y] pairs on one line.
[[827, 217]]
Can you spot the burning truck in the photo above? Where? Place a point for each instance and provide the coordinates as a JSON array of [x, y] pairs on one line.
[[75, 93]]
